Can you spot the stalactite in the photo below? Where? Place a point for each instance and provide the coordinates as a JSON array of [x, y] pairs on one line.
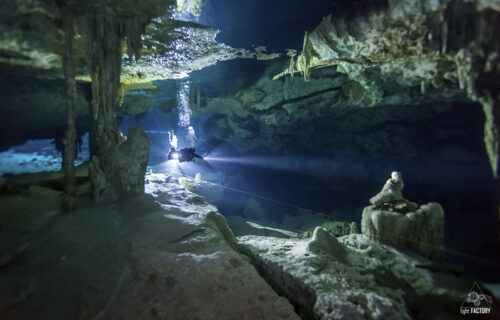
[[117, 164], [133, 28], [307, 58], [69, 153], [491, 126]]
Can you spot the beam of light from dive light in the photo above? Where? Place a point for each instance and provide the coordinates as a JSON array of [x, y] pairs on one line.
[[284, 163], [244, 160], [157, 132]]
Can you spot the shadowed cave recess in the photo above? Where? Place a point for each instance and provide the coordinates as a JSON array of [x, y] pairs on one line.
[[346, 159]]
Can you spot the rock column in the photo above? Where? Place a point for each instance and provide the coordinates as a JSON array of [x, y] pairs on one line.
[[394, 220], [111, 157], [69, 141]]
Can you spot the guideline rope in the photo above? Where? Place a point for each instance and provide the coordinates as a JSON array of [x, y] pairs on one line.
[[245, 192], [394, 234]]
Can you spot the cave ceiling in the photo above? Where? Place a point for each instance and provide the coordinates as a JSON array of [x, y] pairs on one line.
[[375, 54], [32, 42], [172, 44]]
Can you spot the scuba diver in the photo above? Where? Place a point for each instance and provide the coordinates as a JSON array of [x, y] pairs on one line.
[[183, 155]]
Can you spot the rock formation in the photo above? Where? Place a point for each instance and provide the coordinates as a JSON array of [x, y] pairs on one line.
[[375, 80], [323, 242], [169, 48], [419, 45], [166, 255], [392, 195], [354, 278], [391, 192], [317, 119], [69, 140], [393, 220], [102, 34], [353, 228], [157, 47], [92, 46]]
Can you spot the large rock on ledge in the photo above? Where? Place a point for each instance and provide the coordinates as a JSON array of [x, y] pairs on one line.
[[323, 242], [393, 220]]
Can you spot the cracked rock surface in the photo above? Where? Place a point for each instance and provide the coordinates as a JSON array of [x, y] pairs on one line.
[[164, 255], [365, 280]]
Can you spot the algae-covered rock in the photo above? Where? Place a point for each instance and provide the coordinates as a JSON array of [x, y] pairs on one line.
[[244, 226], [335, 228], [306, 221], [354, 228]]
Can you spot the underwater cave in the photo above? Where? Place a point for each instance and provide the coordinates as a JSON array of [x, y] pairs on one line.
[[263, 159]]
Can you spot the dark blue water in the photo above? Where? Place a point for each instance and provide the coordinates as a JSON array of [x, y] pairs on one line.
[[466, 190]]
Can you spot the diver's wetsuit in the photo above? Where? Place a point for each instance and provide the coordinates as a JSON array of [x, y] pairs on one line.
[[184, 155]]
